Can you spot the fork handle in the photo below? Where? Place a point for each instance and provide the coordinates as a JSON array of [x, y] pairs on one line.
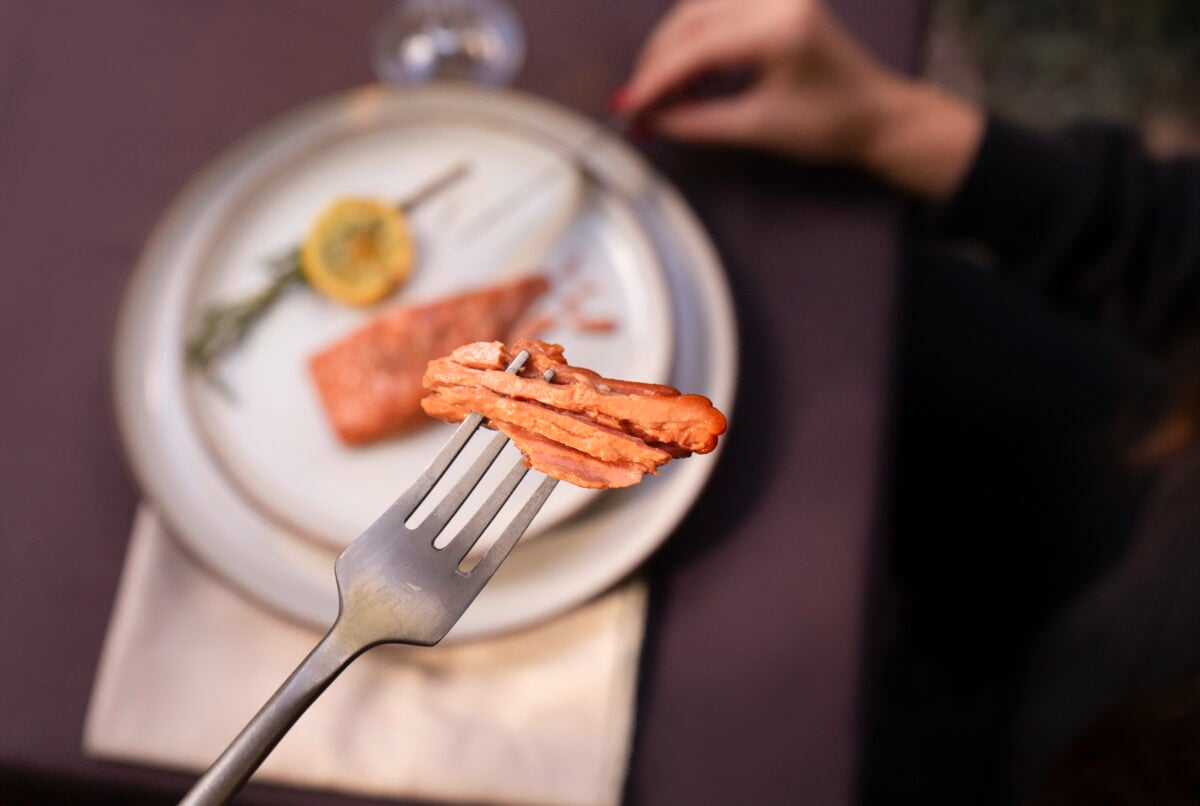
[[239, 761]]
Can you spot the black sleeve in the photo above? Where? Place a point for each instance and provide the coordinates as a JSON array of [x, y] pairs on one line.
[[1091, 220]]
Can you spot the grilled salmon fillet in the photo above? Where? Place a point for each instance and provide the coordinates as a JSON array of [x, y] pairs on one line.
[[369, 382], [578, 427]]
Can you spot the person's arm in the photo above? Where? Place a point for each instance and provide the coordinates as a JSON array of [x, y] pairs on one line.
[[1094, 222], [1087, 216], [816, 93]]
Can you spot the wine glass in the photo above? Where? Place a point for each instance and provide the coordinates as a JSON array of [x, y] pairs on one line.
[[466, 40]]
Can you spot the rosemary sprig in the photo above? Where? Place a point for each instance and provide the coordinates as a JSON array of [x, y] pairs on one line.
[[226, 325], [223, 327]]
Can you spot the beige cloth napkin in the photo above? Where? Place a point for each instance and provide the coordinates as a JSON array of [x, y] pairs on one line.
[[542, 716]]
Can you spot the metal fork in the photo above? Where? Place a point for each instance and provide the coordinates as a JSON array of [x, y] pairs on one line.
[[394, 587]]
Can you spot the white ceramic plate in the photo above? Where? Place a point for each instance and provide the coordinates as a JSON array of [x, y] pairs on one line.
[[273, 440], [258, 488]]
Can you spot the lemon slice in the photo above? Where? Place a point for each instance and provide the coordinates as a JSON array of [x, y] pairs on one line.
[[358, 251]]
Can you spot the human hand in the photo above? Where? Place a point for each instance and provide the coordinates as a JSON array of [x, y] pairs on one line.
[[816, 93]]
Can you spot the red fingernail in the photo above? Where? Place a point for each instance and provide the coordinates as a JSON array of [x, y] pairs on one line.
[[619, 101]]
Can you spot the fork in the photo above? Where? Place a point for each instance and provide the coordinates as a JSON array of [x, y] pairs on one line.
[[394, 587]]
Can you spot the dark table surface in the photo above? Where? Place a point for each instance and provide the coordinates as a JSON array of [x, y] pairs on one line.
[[751, 687]]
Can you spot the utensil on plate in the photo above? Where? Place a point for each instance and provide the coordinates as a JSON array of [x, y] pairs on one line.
[[616, 124], [621, 122], [394, 586]]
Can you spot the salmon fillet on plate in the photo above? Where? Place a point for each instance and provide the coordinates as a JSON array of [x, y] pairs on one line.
[[369, 382]]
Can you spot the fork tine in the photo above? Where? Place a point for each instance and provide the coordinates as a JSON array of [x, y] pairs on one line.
[[469, 535], [441, 515], [407, 504], [414, 495], [495, 555]]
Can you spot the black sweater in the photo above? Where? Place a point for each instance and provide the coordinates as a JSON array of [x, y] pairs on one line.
[[1103, 230], [1096, 224]]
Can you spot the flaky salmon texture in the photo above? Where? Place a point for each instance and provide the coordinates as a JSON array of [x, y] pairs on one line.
[[578, 427]]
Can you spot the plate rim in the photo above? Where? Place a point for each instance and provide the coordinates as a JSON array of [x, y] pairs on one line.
[[209, 179]]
